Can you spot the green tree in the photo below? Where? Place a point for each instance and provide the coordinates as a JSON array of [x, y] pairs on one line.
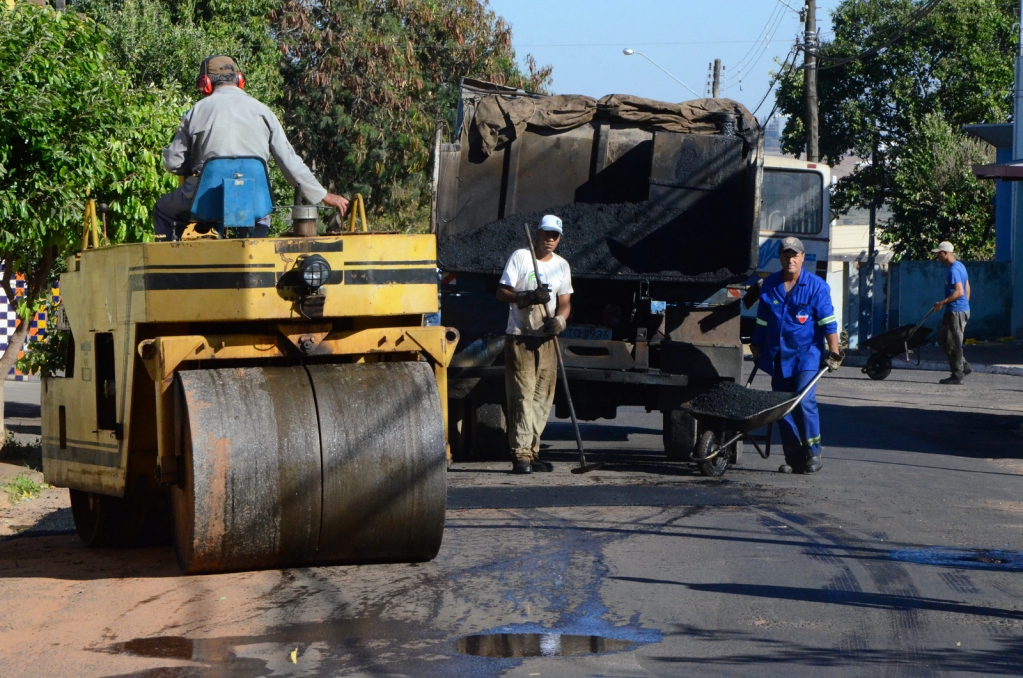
[[163, 41], [70, 123], [935, 197], [366, 81], [951, 60]]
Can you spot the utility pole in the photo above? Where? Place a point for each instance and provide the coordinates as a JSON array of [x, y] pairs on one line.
[[867, 291], [716, 89], [810, 76], [1016, 316]]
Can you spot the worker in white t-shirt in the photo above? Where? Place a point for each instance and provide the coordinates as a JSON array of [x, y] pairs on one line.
[[530, 363]]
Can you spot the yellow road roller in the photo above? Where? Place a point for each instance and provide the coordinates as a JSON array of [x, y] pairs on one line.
[[270, 402]]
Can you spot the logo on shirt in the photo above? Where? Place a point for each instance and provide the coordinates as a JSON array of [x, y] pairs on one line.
[[774, 301], [802, 317]]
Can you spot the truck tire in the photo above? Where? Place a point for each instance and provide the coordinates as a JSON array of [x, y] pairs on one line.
[[679, 434], [488, 432]]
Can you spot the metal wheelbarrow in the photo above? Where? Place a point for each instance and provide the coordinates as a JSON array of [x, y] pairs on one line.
[[894, 343], [729, 412]]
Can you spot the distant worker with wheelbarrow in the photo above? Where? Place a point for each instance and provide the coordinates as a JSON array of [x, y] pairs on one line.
[[794, 319], [957, 312]]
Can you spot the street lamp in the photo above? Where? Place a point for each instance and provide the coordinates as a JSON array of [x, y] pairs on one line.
[[629, 52]]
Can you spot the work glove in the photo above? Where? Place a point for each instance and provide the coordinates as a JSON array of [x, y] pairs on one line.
[[834, 360], [755, 350], [541, 295], [555, 325]]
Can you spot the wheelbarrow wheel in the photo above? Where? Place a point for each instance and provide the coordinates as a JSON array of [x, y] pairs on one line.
[[878, 366], [705, 447]]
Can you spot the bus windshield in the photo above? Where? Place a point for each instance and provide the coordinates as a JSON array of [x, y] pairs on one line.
[[792, 202]]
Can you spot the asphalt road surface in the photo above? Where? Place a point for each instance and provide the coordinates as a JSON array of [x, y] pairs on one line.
[[904, 557]]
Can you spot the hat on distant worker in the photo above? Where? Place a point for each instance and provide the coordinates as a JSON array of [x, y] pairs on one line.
[[944, 246], [791, 243], [550, 223]]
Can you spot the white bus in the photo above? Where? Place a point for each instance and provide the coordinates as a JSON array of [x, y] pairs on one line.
[[795, 201]]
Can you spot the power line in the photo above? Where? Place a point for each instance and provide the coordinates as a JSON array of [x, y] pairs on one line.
[[777, 76], [763, 32], [744, 69], [618, 44]]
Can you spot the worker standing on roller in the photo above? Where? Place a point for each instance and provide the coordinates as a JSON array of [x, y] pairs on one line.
[[229, 123], [794, 319], [530, 363]]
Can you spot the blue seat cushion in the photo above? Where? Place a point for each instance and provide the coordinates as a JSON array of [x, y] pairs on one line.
[[233, 192]]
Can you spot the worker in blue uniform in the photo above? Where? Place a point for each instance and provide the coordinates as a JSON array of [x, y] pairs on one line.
[[794, 320]]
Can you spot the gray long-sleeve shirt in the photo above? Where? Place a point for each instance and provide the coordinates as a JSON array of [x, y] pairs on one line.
[[229, 122]]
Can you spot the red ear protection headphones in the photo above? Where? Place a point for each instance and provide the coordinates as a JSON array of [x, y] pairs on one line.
[[205, 85]]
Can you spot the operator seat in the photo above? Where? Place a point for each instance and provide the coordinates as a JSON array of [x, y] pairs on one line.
[[233, 192]]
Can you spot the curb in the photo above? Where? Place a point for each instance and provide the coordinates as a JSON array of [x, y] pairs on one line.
[[933, 366]]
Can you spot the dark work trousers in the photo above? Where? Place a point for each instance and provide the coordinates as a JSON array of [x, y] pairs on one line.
[[801, 429], [950, 338]]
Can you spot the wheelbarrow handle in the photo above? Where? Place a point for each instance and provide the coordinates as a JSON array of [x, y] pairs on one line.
[[920, 324]]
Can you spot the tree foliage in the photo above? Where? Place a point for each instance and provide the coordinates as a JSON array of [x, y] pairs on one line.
[[163, 41], [953, 63], [366, 80], [71, 122], [935, 197]]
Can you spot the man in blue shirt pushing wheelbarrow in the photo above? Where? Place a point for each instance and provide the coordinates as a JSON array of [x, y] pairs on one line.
[[794, 320]]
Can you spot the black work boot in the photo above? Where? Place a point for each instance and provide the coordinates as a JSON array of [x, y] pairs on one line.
[[967, 369], [541, 466], [951, 381], [814, 463], [795, 461], [521, 467]]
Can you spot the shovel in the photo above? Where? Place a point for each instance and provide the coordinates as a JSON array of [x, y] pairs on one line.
[[583, 467]]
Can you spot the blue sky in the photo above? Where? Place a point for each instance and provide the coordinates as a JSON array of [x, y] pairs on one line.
[[583, 40]]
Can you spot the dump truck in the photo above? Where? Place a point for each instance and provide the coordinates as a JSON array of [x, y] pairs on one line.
[[264, 402], [660, 204]]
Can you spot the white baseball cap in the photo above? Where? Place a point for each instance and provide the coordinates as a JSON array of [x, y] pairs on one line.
[[944, 246], [550, 223]]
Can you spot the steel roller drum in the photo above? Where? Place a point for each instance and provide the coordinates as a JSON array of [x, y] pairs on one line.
[[295, 466]]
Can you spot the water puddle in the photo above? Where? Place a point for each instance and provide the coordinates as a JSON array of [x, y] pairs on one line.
[[979, 559], [539, 645]]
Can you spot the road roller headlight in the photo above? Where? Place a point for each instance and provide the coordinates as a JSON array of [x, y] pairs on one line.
[[315, 271]]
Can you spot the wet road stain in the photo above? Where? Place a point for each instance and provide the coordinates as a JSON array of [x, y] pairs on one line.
[[538, 645], [981, 559]]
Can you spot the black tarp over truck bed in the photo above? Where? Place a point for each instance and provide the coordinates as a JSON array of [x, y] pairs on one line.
[[659, 201], [646, 190]]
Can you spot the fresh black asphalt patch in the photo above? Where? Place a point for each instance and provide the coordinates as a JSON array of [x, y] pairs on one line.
[[551, 496]]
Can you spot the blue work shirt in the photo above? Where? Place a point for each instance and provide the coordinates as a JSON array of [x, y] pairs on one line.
[[956, 274], [793, 324]]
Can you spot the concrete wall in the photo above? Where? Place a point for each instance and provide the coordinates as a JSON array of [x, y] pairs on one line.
[[916, 285]]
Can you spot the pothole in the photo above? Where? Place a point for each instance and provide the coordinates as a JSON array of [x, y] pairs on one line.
[[539, 645], [982, 559]]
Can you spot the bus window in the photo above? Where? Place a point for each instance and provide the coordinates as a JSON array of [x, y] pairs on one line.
[[792, 202]]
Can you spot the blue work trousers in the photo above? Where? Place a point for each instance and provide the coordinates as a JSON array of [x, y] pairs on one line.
[[801, 429]]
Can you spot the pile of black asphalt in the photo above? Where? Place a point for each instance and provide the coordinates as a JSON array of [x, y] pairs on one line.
[[729, 400], [624, 240]]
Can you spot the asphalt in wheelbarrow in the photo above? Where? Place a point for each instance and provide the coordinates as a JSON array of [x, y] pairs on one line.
[[731, 401]]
